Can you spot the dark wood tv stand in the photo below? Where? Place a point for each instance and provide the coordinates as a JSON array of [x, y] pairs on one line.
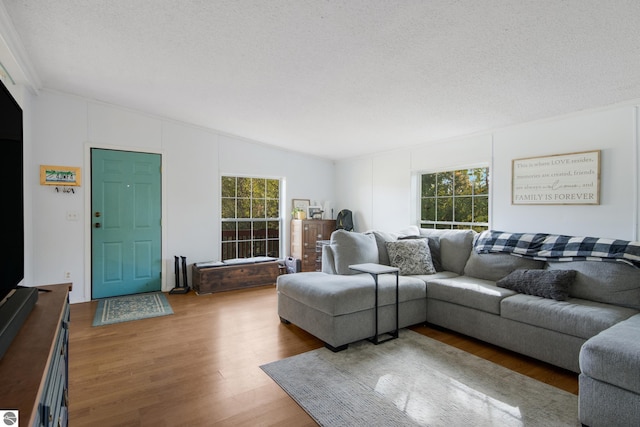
[[34, 370]]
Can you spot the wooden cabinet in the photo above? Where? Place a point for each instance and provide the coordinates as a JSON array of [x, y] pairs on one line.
[[34, 370], [304, 235]]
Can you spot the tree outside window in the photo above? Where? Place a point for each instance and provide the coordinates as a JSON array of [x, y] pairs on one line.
[[455, 199], [250, 212]]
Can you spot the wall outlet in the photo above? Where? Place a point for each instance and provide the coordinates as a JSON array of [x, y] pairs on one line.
[[67, 275], [72, 215]]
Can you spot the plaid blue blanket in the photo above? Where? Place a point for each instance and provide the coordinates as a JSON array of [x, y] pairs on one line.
[[555, 247]]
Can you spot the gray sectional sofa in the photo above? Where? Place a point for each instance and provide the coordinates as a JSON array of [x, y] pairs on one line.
[[576, 312]]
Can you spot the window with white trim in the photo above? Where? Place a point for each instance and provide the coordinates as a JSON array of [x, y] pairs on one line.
[[455, 199], [250, 213]]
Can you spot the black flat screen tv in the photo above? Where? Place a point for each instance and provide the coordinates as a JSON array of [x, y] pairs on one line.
[[11, 172]]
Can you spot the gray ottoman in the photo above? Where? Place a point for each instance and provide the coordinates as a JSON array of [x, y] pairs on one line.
[[610, 376], [339, 309]]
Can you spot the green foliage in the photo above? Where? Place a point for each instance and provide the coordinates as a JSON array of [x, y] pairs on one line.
[[463, 209], [244, 208], [244, 187], [273, 208], [481, 209], [228, 184], [428, 209], [259, 208], [444, 184], [454, 197], [258, 186], [428, 185], [250, 211], [444, 206], [228, 208], [273, 189]]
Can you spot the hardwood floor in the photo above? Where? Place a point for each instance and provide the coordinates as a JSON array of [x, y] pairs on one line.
[[200, 366]]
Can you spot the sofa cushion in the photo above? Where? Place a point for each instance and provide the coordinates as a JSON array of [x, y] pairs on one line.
[[552, 284], [613, 356], [352, 248], [608, 282], [382, 238], [338, 295], [411, 256], [577, 317], [437, 275], [496, 266], [469, 292], [455, 246]]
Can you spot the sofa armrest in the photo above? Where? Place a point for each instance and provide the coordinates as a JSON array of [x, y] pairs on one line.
[[328, 260]]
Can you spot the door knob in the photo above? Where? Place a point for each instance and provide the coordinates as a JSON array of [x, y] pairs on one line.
[[97, 214], [97, 225]]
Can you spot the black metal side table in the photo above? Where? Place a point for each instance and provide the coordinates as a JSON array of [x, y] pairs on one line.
[[374, 270]]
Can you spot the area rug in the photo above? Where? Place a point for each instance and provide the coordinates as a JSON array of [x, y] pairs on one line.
[[417, 381], [131, 307]]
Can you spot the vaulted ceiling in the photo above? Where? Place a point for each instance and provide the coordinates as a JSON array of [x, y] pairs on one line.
[[334, 78]]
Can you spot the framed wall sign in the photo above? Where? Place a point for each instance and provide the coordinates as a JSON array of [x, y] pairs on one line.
[[68, 176], [562, 179]]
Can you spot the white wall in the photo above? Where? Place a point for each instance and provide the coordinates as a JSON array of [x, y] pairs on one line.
[[59, 130], [613, 132], [63, 128], [192, 194], [354, 182], [382, 189], [391, 203]]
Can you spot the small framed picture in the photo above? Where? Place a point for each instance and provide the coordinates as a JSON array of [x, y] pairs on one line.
[[299, 208], [300, 204], [314, 212], [60, 175]]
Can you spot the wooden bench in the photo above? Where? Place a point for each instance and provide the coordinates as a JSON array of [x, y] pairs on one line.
[[206, 280]]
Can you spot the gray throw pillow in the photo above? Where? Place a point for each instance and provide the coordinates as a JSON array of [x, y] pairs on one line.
[[350, 248], [434, 248], [552, 284], [411, 256], [381, 241]]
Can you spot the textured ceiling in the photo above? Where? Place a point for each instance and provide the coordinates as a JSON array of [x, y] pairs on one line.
[[337, 78]]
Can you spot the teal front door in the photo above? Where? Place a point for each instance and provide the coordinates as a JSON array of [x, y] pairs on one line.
[[125, 222]]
